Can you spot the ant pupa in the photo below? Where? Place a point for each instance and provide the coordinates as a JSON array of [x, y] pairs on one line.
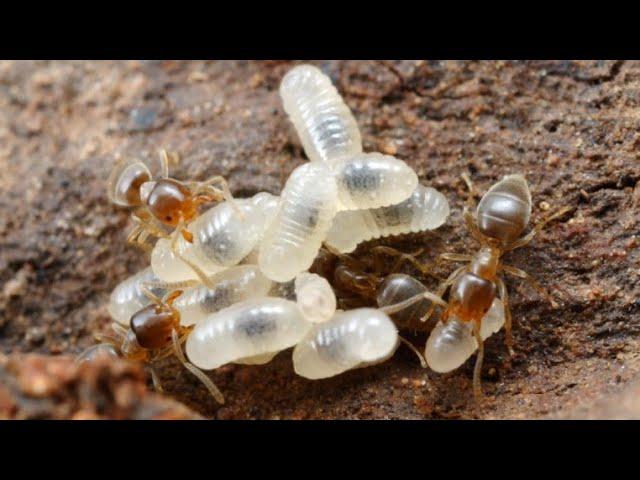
[[425, 209], [315, 297], [221, 238], [129, 296], [339, 176], [501, 217], [164, 204], [229, 287], [154, 333], [252, 331], [351, 339], [307, 208]]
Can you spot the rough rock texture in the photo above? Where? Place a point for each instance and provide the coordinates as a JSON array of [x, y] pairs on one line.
[[571, 127], [43, 387]]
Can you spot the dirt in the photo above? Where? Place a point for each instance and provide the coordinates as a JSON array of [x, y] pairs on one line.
[[571, 127]]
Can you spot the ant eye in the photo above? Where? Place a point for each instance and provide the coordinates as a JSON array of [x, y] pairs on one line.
[[168, 218]]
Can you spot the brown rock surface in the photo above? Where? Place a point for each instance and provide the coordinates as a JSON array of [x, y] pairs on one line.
[[571, 127]]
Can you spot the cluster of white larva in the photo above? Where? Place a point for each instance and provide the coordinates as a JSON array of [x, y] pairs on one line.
[[240, 268]]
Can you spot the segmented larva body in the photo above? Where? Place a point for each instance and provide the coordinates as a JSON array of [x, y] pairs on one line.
[[307, 207], [450, 344], [504, 211], [249, 331], [425, 209], [127, 298], [351, 339], [315, 297], [398, 287], [233, 285], [325, 125], [222, 238], [372, 180]]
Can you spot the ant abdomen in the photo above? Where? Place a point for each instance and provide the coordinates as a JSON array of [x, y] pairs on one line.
[[324, 123], [451, 343], [98, 350], [504, 211], [233, 285], [372, 180], [128, 297], [246, 330], [398, 287], [351, 339], [125, 180], [307, 207], [425, 209], [222, 238]]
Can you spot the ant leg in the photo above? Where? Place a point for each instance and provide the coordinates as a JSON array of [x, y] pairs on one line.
[[423, 362], [155, 379], [215, 391], [164, 164], [150, 295], [200, 274], [397, 307], [408, 257], [477, 369], [455, 257], [442, 289], [226, 191], [170, 285], [504, 296], [516, 272], [539, 226]]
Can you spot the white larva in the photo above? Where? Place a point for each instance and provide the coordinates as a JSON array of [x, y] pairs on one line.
[[307, 207], [450, 344], [425, 209], [222, 238], [233, 285], [326, 127], [372, 180], [315, 297], [351, 339], [246, 331], [127, 298]]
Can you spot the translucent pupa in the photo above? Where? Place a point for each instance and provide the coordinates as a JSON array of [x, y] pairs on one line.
[[163, 205], [425, 209], [230, 286], [128, 297], [351, 339], [249, 332], [222, 237]]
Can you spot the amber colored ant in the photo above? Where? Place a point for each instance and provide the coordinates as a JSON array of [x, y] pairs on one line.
[[162, 205], [154, 333], [502, 215]]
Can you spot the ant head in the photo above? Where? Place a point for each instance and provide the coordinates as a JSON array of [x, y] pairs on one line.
[[125, 181], [169, 201], [152, 325]]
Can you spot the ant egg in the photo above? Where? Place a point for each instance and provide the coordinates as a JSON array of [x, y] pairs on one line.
[[450, 344], [372, 180], [246, 330], [221, 239], [325, 125], [425, 209], [307, 208], [233, 285], [127, 298], [351, 339], [315, 297], [398, 287]]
